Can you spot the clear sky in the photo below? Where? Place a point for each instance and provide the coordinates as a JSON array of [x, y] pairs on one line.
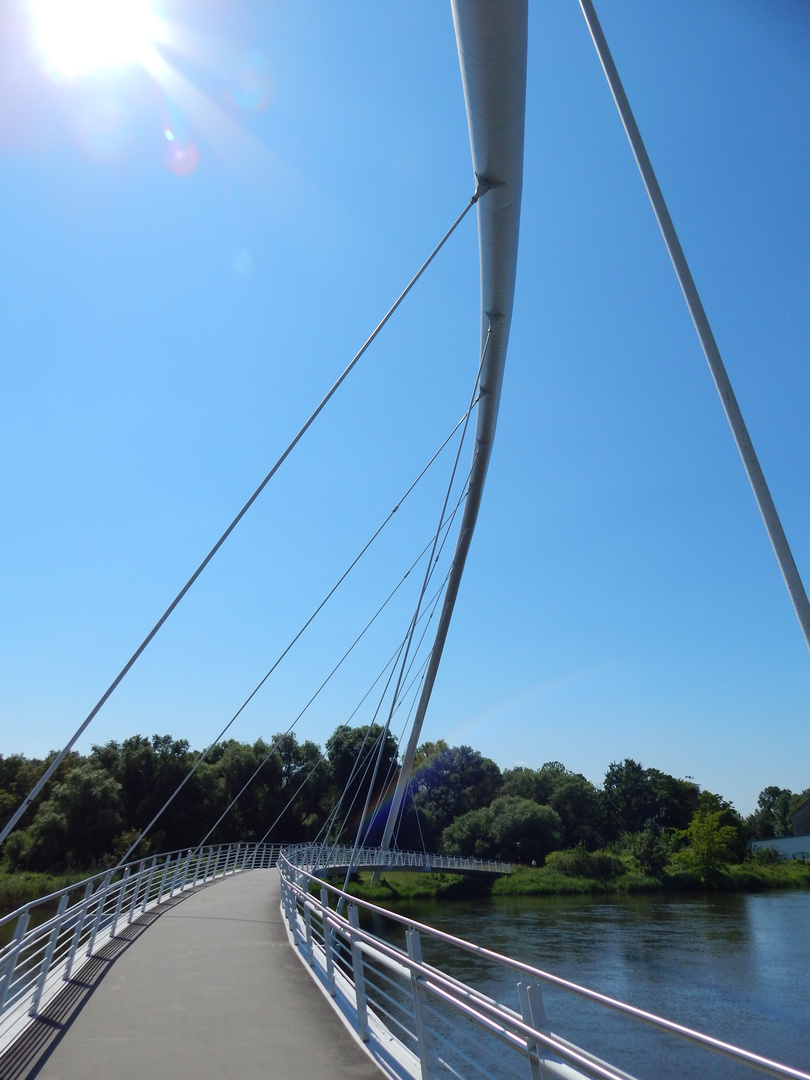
[[195, 243]]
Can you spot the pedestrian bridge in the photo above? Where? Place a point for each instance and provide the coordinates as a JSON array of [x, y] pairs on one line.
[[238, 960], [321, 860]]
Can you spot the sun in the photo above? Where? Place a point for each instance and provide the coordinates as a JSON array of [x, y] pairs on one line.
[[78, 37]]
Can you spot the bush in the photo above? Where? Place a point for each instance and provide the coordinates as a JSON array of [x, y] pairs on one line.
[[510, 828], [765, 856], [578, 862], [650, 850], [711, 846]]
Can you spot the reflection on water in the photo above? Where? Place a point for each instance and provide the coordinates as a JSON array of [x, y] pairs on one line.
[[39, 915], [736, 967]]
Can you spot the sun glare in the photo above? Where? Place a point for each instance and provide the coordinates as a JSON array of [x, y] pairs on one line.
[[77, 37]]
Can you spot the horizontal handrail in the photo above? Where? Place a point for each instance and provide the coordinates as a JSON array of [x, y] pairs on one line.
[[515, 1029], [51, 897], [36, 961], [324, 857]]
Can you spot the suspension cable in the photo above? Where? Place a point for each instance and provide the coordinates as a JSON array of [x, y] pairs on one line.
[[483, 186], [202, 757], [326, 827], [323, 756], [471, 406], [416, 681], [745, 447], [391, 660], [380, 743], [446, 527], [418, 677], [431, 608]]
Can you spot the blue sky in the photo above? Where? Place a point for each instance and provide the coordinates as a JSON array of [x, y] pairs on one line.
[[173, 308]]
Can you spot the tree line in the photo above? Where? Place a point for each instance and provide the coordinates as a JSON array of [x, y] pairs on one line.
[[458, 801]]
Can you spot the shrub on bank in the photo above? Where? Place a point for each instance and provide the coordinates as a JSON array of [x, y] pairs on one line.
[[19, 889], [579, 863]]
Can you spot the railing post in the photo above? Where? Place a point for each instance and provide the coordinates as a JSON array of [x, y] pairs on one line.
[[11, 962], [136, 892], [121, 889], [102, 894], [88, 892], [149, 881], [427, 1048], [291, 911], [174, 875], [308, 924], [255, 853], [359, 977], [328, 947], [292, 919], [236, 858], [227, 857], [186, 866], [197, 867], [534, 1014], [208, 863], [164, 875], [48, 957]]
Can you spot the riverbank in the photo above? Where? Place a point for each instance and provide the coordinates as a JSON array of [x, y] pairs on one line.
[[17, 889], [544, 881]]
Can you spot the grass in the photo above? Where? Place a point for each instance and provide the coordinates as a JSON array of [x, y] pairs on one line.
[[750, 876], [400, 886], [545, 881], [21, 888], [17, 889]]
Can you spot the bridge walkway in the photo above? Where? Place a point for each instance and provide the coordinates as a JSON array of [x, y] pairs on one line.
[[211, 989]]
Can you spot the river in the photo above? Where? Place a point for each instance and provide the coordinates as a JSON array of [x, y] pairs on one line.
[[733, 966]]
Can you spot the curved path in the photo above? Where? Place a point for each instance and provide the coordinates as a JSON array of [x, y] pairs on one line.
[[211, 989]]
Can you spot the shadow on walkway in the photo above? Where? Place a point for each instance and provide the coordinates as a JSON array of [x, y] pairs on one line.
[[213, 990], [29, 1052]]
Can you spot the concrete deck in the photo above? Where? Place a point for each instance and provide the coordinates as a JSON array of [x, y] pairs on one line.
[[212, 988]]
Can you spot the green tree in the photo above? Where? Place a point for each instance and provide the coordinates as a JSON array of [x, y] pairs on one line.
[[633, 795], [470, 835], [573, 797], [351, 758], [772, 815], [76, 826], [651, 849], [307, 780], [524, 783], [453, 781], [576, 800], [510, 828], [710, 845], [708, 803], [524, 831], [627, 799]]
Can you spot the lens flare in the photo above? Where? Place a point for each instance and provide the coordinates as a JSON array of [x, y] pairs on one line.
[[77, 37], [181, 158]]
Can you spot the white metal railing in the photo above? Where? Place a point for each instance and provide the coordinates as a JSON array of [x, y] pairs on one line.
[[74, 923], [320, 857], [419, 1022]]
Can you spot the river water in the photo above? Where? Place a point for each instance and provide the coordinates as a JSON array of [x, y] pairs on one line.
[[736, 967]]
